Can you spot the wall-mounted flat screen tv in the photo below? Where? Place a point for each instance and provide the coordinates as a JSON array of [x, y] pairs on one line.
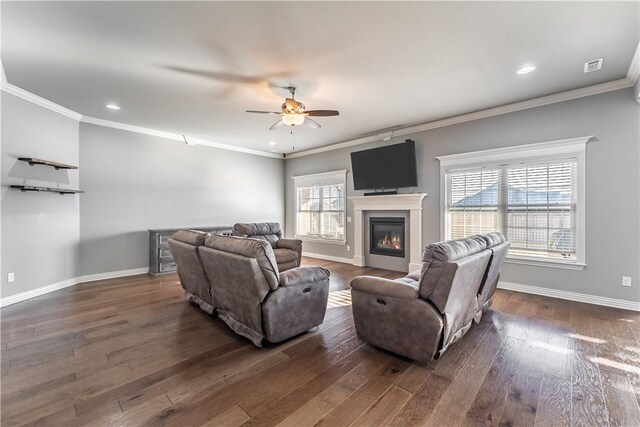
[[393, 166]]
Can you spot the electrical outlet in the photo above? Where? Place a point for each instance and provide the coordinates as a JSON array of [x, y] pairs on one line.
[[348, 248], [626, 281], [348, 219], [11, 277]]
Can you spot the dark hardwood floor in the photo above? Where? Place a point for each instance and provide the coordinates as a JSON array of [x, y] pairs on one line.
[[131, 351]]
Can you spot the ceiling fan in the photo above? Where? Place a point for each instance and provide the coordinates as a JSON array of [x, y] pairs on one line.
[[294, 114]]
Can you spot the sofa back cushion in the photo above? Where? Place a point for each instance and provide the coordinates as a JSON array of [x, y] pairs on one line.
[[493, 239], [192, 237], [184, 247], [257, 249], [438, 262], [269, 231]]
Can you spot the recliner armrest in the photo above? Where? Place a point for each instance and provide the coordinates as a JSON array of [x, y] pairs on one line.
[[293, 244], [303, 275], [386, 287]]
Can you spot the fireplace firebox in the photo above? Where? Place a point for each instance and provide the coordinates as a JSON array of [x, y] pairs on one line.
[[387, 236]]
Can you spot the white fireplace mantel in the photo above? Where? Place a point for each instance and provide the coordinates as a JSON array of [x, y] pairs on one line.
[[397, 202]]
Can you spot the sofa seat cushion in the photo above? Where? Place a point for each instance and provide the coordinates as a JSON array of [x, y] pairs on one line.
[[284, 256]]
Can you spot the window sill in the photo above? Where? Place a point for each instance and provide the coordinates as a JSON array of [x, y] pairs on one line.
[[545, 263], [306, 239]]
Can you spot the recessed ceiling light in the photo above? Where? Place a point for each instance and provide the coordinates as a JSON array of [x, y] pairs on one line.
[[526, 70], [112, 107], [273, 143]]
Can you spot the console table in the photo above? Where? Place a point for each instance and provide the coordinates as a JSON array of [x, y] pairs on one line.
[[160, 256]]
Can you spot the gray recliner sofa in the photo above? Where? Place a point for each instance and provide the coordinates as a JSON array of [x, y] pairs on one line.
[[184, 246], [254, 298], [288, 252], [422, 314]]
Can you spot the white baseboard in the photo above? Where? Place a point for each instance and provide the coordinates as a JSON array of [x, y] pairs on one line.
[[112, 274], [571, 296], [23, 296], [329, 257]]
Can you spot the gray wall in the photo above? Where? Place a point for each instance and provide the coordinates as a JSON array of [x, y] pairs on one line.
[[134, 182], [612, 196], [40, 230]]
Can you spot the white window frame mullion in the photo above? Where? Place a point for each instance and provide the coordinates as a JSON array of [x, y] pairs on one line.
[[317, 180], [574, 148]]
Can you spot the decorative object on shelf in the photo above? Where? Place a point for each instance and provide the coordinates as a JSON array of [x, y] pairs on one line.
[[25, 188], [160, 256], [55, 165]]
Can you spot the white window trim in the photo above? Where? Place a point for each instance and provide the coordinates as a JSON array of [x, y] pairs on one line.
[[538, 151], [318, 179]]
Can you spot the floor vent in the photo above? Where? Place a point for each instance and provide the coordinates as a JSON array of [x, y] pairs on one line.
[[594, 65]]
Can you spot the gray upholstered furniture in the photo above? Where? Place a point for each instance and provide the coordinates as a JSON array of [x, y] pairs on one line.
[[422, 314], [248, 291], [185, 245], [287, 251]]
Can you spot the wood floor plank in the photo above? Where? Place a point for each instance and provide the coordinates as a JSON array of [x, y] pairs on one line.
[[451, 409], [385, 408], [522, 401], [420, 406], [348, 411], [132, 351], [487, 406], [554, 403]]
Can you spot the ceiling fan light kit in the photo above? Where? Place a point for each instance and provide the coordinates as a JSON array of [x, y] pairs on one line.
[[294, 113], [293, 119]]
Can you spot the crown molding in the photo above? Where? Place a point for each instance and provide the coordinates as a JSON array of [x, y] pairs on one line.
[[35, 99], [634, 69], [175, 137], [482, 114]]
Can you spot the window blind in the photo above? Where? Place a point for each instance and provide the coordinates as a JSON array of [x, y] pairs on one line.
[[320, 211], [532, 203]]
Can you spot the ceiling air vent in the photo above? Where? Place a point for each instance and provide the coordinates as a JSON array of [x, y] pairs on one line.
[[593, 65]]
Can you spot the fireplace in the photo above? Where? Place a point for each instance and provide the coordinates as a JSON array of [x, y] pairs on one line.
[[387, 236]]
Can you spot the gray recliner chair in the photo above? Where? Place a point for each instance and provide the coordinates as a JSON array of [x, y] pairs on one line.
[[288, 252], [254, 298], [499, 248], [422, 314], [184, 246]]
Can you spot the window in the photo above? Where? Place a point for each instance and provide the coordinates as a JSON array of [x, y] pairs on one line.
[[320, 207], [533, 194]]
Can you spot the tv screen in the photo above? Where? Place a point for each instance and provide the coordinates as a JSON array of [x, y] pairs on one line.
[[393, 166]]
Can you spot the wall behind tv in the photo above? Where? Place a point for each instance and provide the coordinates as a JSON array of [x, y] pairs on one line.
[[612, 195], [40, 230], [134, 182]]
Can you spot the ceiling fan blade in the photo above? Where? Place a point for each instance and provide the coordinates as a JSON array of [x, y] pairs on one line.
[[277, 124], [263, 112], [323, 113], [311, 123]]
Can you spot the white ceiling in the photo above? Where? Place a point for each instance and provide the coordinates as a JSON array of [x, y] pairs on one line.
[[382, 64]]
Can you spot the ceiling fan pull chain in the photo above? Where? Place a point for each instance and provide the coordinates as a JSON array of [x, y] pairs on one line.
[[293, 139]]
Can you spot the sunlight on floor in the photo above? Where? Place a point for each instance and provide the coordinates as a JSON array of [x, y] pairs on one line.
[[585, 338], [617, 365], [551, 347], [339, 298]]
